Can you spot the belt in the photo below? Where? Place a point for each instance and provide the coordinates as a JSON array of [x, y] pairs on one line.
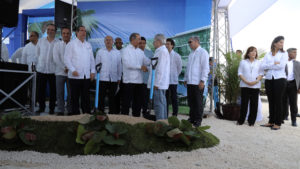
[[291, 81]]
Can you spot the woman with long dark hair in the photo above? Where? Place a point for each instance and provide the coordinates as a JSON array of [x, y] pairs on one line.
[[250, 74], [274, 63]]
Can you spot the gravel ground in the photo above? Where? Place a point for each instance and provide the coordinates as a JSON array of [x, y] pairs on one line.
[[240, 147]]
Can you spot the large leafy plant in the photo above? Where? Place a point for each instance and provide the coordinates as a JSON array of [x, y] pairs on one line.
[[96, 131], [12, 128], [176, 131], [230, 78]]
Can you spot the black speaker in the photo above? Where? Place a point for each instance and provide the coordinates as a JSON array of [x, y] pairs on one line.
[[9, 81], [63, 12], [9, 10]]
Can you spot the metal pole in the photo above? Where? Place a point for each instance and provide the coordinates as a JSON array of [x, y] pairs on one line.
[[1, 43], [72, 19], [33, 93], [215, 29]]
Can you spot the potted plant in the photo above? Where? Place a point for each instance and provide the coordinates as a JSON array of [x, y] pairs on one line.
[[230, 81]]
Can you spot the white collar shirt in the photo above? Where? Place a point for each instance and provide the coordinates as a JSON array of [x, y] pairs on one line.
[[111, 69], [175, 67], [250, 71], [16, 57], [132, 61], [29, 55], [4, 52], [275, 71], [162, 71], [79, 57], [198, 67], [58, 57], [45, 63], [290, 66]]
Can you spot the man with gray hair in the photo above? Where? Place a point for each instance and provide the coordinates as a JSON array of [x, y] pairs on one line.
[[293, 85], [162, 77], [134, 63], [195, 77], [110, 74]]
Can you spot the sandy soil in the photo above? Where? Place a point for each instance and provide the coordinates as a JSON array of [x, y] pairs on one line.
[[241, 147]]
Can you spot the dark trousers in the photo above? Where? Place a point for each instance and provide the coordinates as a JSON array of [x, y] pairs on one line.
[[290, 99], [195, 102], [118, 99], [132, 96], [171, 95], [80, 88], [107, 88], [248, 94], [275, 90], [42, 79], [145, 98]]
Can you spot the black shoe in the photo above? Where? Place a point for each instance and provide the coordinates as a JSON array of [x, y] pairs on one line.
[[298, 115], [239, 124], [40, 111], [197, 124], [60, 114], [191, 121], [51, 112], [294, 124]]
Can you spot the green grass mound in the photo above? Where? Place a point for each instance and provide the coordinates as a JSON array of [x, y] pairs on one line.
[[100, 136]]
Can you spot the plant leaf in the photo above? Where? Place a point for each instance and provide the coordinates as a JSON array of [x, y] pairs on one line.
[[110, 128], [173, 132], [203, 127], [174, 122], [110, 140], [98, 136], [80, 131], [10, 135], [91, 147], [185, 125]]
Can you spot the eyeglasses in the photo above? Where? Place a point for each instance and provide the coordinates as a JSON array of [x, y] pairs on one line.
[[189, 42]]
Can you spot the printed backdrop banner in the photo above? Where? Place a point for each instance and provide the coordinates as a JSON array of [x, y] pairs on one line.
[[120, 18]]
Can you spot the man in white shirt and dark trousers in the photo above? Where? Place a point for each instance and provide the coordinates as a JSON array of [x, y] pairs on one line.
[[162, 77], [293, 86], [110, 74], [175, 70], [146, 92], [80, 62], [195, 77], [46, 68], [134, 64], [29, 51], [61, 72]]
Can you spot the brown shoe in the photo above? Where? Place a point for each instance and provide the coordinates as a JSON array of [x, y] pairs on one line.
[[267, 125]]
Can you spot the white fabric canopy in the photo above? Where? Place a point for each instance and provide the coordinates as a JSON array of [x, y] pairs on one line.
[[35, 4], [243, 12]]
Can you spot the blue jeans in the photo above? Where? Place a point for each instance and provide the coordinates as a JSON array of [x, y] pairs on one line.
[[160, 104], [60, 92]]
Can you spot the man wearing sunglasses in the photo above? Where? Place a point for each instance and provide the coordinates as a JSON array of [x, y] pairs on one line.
[[195, 77]]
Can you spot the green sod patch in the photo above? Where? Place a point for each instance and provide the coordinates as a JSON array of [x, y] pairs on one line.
[[59, 137], [181, 110]]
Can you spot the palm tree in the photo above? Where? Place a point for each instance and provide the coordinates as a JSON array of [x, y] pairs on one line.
[[86, 19]]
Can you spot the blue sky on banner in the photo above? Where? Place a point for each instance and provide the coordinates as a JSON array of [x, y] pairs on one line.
[[147, 17]]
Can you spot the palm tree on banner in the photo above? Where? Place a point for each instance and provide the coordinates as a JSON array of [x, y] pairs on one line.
[[86, 19]]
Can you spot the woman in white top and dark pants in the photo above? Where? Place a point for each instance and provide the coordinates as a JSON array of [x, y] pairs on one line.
[[274, 64], [250, 73]]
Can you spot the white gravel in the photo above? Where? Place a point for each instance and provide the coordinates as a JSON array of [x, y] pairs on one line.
[[240, 147]]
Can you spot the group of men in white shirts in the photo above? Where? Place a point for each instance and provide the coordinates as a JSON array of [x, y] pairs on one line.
[[126, 69]]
